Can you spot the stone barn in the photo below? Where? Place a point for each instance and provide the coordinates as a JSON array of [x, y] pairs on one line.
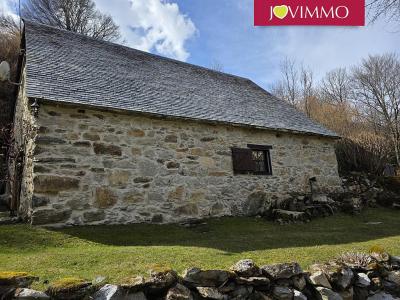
[[113, 135]]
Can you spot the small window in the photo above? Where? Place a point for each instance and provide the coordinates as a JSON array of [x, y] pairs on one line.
[[256, 159]]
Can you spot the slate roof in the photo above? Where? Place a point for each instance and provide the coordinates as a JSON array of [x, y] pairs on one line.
[[67, 67]]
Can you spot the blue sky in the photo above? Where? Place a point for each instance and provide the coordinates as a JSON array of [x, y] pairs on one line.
[[204, 31], [226, 33]]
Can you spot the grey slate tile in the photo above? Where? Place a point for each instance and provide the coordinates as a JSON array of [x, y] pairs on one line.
[[68, 67]]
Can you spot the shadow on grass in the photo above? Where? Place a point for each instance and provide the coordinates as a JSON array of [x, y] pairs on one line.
[[231, 235], [248, 234]]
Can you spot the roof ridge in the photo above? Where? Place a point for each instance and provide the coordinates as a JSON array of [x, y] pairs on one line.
[[134, 49]]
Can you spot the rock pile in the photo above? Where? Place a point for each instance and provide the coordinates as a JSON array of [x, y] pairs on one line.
[[302, 208], [361, 191], [355, 276], [358, 192]]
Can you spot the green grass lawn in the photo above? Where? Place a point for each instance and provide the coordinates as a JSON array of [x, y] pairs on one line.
[[122, 251]]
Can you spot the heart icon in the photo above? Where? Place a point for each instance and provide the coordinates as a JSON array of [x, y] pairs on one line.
[[281, 11]]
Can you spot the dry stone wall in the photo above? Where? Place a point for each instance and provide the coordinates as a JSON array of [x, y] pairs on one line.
[[352, 276], [97, 167]]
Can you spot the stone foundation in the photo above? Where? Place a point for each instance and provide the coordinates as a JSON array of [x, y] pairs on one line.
[[96, 167]]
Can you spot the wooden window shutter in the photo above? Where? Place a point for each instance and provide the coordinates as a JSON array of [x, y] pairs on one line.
[[242, 161]]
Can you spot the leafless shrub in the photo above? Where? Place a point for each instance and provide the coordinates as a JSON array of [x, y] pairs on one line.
[[366, 152], [355, 259]]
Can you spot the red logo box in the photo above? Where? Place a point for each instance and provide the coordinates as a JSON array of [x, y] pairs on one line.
[[309, 12]]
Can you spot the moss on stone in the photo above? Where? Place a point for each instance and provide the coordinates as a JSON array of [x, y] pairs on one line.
[[68, 283], [17, 279], [12, 275], [159, 268], [377, 249]]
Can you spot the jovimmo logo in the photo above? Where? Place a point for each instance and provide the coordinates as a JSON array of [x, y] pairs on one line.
[[309, 12]]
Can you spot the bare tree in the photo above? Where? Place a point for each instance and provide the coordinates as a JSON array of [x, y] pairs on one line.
[[74, 15], [335, 86], [288, 87], [377, 88], [306, 89], [9, 51], [8, 25], [389, 9]]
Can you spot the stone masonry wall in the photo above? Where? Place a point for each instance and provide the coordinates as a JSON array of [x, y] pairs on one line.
[[24, 135], [97, 167]]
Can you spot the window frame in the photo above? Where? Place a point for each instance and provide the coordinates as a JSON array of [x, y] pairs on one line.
[[267, 158]]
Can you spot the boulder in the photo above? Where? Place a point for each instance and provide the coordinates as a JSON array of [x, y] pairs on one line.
[[297, 295], [135, 296], [282, 271], [241, 292], [211, 293], [381, 257], [228, 287], [395, 261], [342, 278], [347, 294], [7, 292], [338, 275], [108, 292], [259, 296], [246, 268], [391, 287], [282, 293], [114, 292], [299, 282], [381, 296], [17, 279], [260, 283], [161, 281], [360, 293], [179, 292], [376, 283], [394, 276], [134, 284], [207, 278], [28, 294], [328, 294], [362, 280], [319, 279], [69, 289]]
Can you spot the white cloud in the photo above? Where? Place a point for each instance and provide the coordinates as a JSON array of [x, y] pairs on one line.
[[151, 25], [7, 7]]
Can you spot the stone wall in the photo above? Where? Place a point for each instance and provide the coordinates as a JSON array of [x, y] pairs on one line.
[[98, 167], [352, 276], [24, 135]]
